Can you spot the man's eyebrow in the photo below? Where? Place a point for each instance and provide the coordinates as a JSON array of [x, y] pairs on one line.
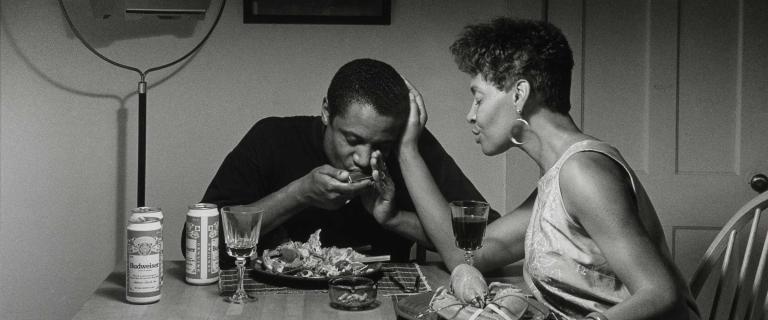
[[357, 136], [350, 133]]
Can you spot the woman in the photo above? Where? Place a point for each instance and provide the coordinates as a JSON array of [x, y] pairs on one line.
[[592, 242]]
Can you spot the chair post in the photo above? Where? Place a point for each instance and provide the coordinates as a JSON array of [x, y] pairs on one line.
[[723, 274], [721, 255], [752, 305], [746, 260]]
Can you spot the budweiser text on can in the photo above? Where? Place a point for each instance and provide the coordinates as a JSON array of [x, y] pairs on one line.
[[142, 276], [202, 240], [152, 212]]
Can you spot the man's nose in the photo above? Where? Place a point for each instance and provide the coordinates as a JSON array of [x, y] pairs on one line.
[[362, 156]]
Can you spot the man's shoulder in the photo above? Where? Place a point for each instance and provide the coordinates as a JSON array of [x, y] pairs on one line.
[[430, 147], [271, 126], [285, 122]]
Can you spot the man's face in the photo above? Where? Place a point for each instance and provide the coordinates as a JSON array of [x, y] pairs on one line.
[[351, 137]]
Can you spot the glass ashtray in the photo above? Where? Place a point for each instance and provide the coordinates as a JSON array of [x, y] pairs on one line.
[[352, 293]]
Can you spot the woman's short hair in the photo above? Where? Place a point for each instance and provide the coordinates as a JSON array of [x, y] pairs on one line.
[[506, 50]]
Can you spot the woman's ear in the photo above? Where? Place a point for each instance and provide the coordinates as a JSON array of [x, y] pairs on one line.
[[324, 112], [522, 90]]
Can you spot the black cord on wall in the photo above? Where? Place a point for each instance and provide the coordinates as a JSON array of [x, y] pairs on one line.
[[142, 89]]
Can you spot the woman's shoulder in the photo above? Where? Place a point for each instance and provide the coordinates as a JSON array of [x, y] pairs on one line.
[[592, 156], [594, 179]]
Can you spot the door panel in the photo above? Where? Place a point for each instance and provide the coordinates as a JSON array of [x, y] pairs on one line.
[[681, 89], [708, 108], [615, 77]]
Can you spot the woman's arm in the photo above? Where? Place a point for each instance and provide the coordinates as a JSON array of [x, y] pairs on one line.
[[597, 192], [503, 242]]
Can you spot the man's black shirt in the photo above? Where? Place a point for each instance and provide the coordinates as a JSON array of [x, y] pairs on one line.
[[277, 151]]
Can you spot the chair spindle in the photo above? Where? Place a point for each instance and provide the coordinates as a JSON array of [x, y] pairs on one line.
[[752, 305], [746, 260], [723, 273]]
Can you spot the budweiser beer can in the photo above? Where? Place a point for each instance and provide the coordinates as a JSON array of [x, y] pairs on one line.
[[202, 256], [144, 261], [152, 212]]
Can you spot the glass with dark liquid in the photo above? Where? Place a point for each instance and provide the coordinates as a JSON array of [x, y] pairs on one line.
[[469, 218], [242, 225]]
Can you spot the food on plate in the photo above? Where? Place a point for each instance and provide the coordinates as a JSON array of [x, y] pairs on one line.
[[310, 260], [468, 285]]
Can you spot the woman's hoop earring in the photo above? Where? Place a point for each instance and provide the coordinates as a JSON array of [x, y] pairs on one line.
[[514, 140]]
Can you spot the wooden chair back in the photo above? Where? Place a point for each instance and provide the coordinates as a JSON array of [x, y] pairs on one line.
[[736, 260]]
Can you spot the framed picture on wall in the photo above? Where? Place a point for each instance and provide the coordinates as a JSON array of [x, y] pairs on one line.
[[317, 11]]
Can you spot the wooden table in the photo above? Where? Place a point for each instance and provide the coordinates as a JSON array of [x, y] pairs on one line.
[[183, 301]]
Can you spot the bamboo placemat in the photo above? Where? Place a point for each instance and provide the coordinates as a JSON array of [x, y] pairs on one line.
[[392, 273]]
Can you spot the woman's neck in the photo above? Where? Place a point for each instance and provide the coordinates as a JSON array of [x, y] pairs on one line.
[[549, 136]]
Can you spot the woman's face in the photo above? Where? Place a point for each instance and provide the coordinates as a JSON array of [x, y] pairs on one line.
[[492, 115]]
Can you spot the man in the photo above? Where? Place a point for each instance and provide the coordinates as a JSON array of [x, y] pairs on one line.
[[297, 169]]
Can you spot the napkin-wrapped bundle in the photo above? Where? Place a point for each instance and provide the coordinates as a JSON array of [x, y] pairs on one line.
[[470, 298], [503, 302]]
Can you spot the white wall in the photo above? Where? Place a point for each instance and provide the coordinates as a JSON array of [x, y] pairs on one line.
[[68, 137]]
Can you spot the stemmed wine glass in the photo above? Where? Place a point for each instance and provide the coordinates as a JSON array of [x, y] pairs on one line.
[[469, 218], [242, 225]]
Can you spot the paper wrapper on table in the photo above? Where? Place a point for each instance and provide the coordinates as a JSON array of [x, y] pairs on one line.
[[506, 302]]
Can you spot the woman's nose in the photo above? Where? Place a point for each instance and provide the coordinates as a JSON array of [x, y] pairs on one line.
[[472, 114]]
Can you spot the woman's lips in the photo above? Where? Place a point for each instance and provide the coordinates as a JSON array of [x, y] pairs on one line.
[[476, 133]]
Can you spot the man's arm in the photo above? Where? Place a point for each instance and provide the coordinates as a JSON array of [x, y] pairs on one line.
[[407, 224], [379, 200], [241, 180], [321, 187]]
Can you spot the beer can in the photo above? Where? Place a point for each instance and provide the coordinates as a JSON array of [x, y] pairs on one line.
[[143, 263], [152, 212], [202, 239]]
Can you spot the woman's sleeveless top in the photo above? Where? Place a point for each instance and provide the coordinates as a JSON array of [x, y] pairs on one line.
[[564, 267]]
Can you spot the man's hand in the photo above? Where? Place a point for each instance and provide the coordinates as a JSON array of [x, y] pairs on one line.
[[417, 119], [380, 200], [327, 187]]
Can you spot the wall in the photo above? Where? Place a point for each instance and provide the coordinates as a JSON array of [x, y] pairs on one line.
[[68, 137]]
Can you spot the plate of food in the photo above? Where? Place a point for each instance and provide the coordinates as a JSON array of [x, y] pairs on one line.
[[309, 264]]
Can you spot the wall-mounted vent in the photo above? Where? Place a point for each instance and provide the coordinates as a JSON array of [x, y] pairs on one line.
[[162, 9]]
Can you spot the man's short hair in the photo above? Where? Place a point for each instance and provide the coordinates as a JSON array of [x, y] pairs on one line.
[[507, 50], [370, 82]]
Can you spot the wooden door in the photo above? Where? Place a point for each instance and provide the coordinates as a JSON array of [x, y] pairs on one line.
[[681, 89]]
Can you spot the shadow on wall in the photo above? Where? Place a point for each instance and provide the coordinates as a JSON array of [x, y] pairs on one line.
[[120, 99]]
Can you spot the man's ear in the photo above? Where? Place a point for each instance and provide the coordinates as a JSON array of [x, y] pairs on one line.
[[324, 112]]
